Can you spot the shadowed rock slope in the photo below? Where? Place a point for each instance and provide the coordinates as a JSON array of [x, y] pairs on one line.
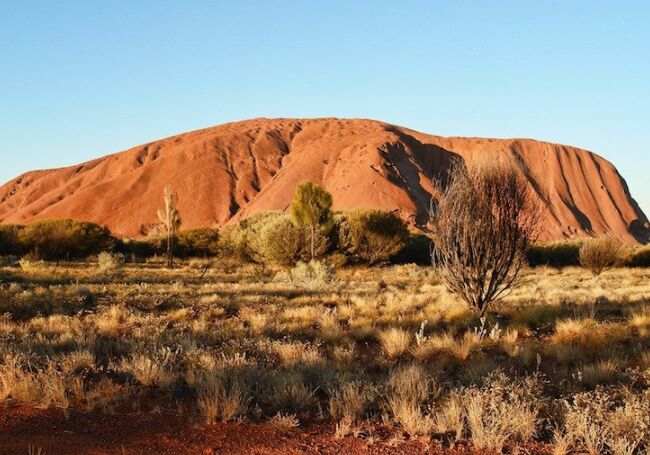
[[232, 171]]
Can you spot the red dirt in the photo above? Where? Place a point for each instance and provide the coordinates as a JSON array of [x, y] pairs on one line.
[[231, 171], [165, 434]]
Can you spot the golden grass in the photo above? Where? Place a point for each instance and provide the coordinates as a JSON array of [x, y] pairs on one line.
[[237, 343]]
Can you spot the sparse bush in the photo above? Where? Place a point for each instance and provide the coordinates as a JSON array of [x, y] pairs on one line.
[[601, 422], [312, 275], [372, 236], [482, 227], [222, 397], [109, 262], [502, 411], [395, 342], [65, 239], [350, 401], [599, 254], [554, 254], [409, 391], [29, 263]]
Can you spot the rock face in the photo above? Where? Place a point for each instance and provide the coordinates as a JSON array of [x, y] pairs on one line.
[[232, 171]]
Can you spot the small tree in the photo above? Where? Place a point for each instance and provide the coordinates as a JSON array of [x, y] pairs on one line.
[[312, 208], [599, 254], [170, 221], [482, 226]]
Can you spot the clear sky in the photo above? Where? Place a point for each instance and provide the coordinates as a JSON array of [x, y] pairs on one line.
[[80, 79]]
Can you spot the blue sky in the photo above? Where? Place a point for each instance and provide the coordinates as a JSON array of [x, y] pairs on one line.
[[80, 79]]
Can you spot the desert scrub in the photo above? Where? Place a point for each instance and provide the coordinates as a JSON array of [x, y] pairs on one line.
[[372, 236], [409, 390], [597, 255], [617, 422], [383, 346], [109, 262], [312, 275]]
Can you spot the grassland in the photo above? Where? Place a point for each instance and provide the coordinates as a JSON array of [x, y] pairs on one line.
[[561, 365]]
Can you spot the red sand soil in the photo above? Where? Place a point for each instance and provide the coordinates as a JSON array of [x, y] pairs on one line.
[[231, 171], [164, 434]]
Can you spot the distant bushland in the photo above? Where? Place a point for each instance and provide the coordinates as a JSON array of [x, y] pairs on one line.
[[56, 239]]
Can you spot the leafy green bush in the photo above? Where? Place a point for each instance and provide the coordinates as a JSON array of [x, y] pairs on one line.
[[282, 242], [10, 239], [237, 239], [65, 239], [372, 236], [555, 254], [271, 237]]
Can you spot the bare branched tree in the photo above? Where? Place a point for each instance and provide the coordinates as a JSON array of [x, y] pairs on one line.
[[482, 226], [170, 221]]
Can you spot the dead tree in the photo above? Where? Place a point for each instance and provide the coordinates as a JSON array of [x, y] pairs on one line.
[[170, 221], [482, 226]]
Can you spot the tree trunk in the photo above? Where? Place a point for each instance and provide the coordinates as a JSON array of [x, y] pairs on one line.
[[170, 256]]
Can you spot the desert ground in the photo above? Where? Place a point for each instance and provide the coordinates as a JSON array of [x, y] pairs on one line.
[[219, 357]]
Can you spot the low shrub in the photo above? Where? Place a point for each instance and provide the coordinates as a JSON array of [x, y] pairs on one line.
[[197, 243], [312, 275], [555, 254], [280, 241], [10, 240], [65, 239], [417, 250], [639, 257], [238, 240], [271, 237], [599, 254], [372, 236], [109, 262]]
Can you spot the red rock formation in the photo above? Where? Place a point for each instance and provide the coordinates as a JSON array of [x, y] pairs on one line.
[[231, 171]]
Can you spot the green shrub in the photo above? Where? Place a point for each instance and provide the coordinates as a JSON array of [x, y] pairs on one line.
[[197, 243], [372, 236], [65, 239], [271, 237], [238, 239], [639, 257], [555, 254], [282, 242], [10, 240]]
